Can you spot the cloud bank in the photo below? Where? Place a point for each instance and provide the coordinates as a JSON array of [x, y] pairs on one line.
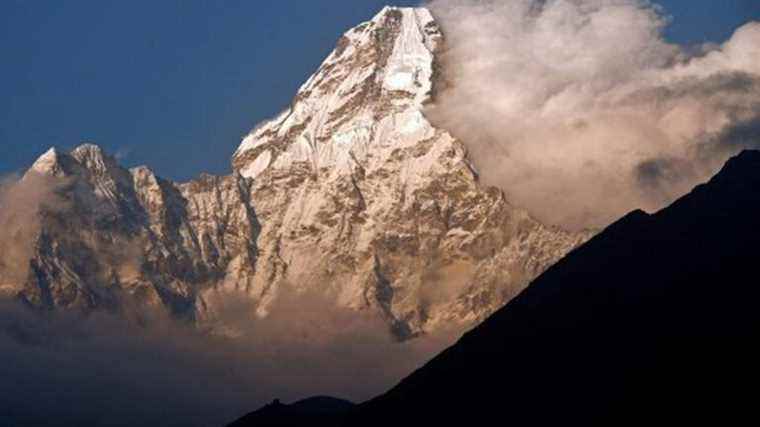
[[142, 367], [581, 111]]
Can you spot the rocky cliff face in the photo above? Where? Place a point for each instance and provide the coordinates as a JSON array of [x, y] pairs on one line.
[[350, 193], [111, 232]]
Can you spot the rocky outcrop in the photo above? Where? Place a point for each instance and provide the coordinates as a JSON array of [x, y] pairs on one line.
[[112, 232]]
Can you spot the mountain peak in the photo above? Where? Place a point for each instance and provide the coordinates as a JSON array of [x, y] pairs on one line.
[[354, 168], [419, 14], [378, 77], [47, 164], [55, 163], [87, 149], [94, 159], [84, 157]]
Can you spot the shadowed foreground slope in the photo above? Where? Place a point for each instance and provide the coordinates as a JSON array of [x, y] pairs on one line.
[[653, 320]]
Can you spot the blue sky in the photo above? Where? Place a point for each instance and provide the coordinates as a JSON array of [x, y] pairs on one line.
[[175, 84]]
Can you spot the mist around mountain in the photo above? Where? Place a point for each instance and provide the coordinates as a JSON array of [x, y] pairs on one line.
[[654, 320], [358, 235], [582, 111]]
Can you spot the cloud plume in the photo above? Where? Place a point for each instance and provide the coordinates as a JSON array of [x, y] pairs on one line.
[[581, 111], [22, 201]]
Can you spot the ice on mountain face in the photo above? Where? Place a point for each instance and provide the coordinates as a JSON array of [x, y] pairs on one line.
[[258, 165], [409, 67], [381, 69]]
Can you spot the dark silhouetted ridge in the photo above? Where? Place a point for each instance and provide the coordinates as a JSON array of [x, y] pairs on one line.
[[655, 320], [313, 411]]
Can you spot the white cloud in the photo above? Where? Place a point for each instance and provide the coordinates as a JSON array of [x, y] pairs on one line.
[[581, 111]]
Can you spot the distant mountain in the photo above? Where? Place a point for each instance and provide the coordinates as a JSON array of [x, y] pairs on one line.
[[350, 193], [653, 321]]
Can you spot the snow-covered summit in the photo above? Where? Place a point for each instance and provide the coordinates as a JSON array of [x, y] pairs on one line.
[[47, 163], [86, 156], [370, 89]]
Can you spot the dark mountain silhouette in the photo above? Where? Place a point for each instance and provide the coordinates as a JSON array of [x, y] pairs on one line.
[[655, 320], [311, 411]]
